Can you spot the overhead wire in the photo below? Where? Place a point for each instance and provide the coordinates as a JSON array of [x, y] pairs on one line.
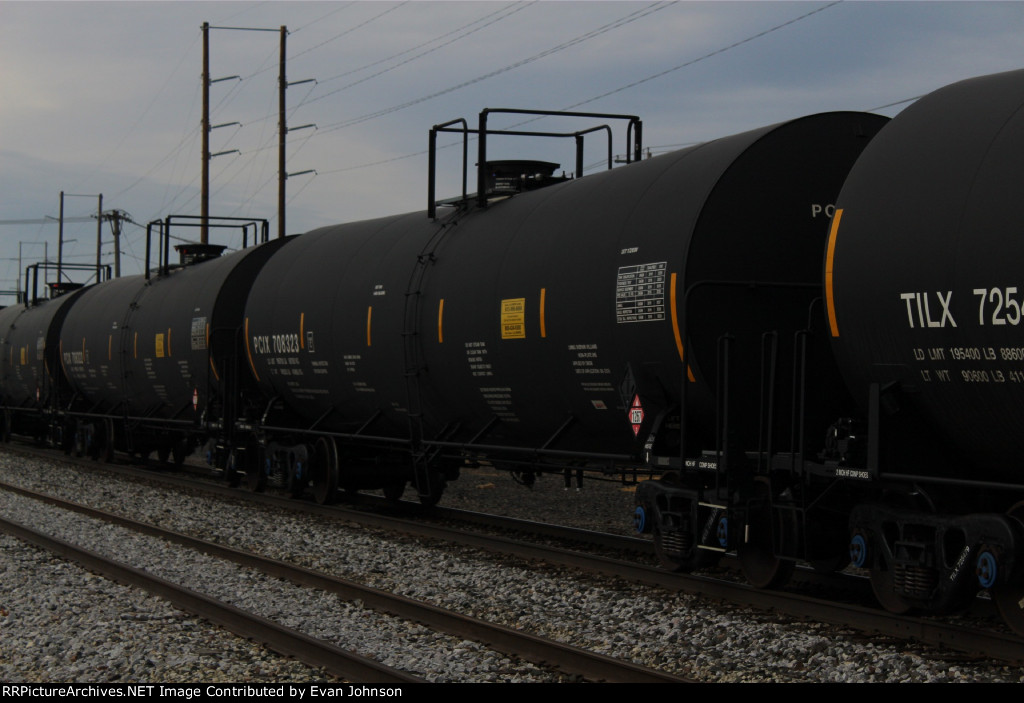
[[342, 33], [264, 143], [898, 102], [335, 11], [516, 3], [705, 56], [128, 133], [516, 7], [629, 18], [235, 90], [505, 12], [487, 20], [617, 90]]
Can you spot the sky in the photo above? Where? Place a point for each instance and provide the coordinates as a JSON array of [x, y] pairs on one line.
[[105, 97]]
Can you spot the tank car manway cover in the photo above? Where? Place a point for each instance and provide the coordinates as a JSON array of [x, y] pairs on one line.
[[636, 415]]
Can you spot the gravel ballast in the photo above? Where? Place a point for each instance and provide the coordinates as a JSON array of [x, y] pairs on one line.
[[59, 623]]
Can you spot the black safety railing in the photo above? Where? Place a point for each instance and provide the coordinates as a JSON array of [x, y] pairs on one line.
[[634, 144]]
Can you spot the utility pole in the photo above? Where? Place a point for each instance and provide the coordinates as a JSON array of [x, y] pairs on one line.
[[204, 208], [99, 234], [282, 175], [60, 236], [207, 127], [115, 218], [60, 233], [282, 130]]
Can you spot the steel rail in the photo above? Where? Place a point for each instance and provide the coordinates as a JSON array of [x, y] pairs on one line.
[[996, 645], [338, 661], [539, 650]]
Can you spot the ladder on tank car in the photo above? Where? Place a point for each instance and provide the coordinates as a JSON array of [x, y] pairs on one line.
[[428, 483]]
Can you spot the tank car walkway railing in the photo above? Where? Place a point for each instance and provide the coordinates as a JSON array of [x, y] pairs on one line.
[[634, 145]]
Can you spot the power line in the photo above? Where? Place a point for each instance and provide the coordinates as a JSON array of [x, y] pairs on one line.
[[627, 19], [482, 22], [127, 133], [705, 56], [611, 92], [320, 19], [351, 29], [898, 102], [516, 7]]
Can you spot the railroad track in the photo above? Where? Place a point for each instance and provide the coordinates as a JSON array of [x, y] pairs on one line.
[[312, 651], [571, 661], [981, 643]]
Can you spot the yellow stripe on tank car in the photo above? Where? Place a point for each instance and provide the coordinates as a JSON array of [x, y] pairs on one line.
[[369, 317], [440, 320], [248, 352], [168, 341], [302, 330], [675, 328], [829, 261], [110, 346], [543, 322]]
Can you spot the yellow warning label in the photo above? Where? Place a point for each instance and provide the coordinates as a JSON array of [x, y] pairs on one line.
[[24, 356], [160, 346], [513, 318]]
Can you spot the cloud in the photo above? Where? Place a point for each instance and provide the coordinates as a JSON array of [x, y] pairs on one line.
[[105, 97]]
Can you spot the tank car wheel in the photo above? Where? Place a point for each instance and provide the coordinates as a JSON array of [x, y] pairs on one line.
[[257, 470], [394, 491], [180, 451], [324, 471], [1010, 602], [163, 453], [105, 449], [761, 567], [882, 586], [679, 552], [438, 482], [679, 561], [1009, 597], [233, 469], [831, 565], [297, 476], [68, 434]]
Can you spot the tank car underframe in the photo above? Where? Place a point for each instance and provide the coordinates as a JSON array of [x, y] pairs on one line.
[[729, 488], [40, 421], [297, 456], [826, 504], [835, 511], [930, 542], [775, 516], [932, 561]]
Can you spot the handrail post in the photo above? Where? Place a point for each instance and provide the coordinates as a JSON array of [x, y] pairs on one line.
[[481, 165]]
